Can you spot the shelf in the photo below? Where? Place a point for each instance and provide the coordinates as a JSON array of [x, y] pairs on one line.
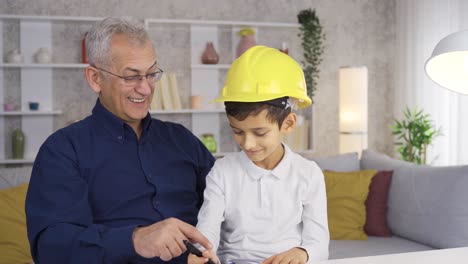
[[30, 113], [44, 65], [210, 66], [50, 18], [188, 111], [16, 161], [150, 21]]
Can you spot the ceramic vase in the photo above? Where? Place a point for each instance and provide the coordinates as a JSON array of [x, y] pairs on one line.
[[17, 142], [209, 55], [246, 41], [14, 56], [84, 55], [210, 143], [42, 56]]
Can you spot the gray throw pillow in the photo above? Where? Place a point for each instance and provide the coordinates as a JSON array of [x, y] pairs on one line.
[[342, 163], [429, 205], [373, 160]]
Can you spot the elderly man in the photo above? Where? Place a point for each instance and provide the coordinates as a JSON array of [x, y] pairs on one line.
[[117, 186]]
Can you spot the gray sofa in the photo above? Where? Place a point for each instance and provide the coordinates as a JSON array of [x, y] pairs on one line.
[[427, 206]]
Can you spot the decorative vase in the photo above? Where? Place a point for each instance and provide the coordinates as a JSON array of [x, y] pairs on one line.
[[84, 55], [14, 56], [210, 143], [8, 106], [17, 140], [42, 56], [209, 56], [247, 40], [33, 106]]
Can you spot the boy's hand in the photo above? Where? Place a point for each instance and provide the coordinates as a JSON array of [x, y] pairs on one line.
[[292, 256], [207, 254]]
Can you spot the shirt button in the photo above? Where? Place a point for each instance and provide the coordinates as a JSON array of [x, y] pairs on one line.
[[119, 137]]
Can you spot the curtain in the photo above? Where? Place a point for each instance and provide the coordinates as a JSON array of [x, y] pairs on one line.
[[420, 26]]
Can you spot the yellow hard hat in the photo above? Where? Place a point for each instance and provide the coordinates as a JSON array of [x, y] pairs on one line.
[[263, 73]]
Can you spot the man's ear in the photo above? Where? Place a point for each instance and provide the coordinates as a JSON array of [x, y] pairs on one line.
[[289, 123], [94, 79]]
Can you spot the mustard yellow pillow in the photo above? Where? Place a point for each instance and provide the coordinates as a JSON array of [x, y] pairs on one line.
[[14, 244], [346, 196]]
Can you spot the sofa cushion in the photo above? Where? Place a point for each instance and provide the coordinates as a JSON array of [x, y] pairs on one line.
[[429, 205], [376, 205], [373, 246], [346, 195], [373, 160], [343, 162], [14, 245]]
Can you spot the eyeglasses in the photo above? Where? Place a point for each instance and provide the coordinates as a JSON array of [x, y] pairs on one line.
[[136, 79]]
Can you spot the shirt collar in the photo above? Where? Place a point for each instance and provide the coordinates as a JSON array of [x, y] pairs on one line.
[[114, 124], [280, 171]]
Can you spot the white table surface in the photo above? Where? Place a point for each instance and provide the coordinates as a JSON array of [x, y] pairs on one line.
[[440, 256]]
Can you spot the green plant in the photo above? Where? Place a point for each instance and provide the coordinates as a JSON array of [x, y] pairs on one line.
[[414, 133], [313, 38]]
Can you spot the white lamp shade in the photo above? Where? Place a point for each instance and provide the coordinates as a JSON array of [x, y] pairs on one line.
[[448, 65], [353, 99]]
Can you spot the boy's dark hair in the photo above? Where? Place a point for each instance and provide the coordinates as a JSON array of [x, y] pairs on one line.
[[241, 110]]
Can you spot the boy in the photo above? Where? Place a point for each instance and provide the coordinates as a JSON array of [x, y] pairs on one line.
[[264, 203]]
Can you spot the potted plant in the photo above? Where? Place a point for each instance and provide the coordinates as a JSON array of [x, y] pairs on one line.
[[414, 132], [313, 37]]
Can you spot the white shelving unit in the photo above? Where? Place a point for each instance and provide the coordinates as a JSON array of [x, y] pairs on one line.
[[37, 81], [205, 78]]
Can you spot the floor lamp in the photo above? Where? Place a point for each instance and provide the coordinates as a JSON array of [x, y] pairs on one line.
[[353, 109], [448, 65]]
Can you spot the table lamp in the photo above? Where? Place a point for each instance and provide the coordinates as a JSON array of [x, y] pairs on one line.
[[353, 108], [448, 64]]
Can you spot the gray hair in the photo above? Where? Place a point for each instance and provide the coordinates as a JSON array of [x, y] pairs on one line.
[[98, 39]]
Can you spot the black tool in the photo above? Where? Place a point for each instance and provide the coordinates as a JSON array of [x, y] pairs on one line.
[[192, 249]]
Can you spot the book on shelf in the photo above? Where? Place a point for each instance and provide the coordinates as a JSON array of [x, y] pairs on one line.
[[166, 93], [175, 97], [156, 103]]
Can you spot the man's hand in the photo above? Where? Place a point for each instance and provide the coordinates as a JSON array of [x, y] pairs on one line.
[[164, 239], [292, 256], [207, 254]]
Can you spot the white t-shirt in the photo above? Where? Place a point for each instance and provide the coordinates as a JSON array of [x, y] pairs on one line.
[[253, 213]]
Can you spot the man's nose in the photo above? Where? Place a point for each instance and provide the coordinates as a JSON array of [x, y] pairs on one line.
[[145, 87]]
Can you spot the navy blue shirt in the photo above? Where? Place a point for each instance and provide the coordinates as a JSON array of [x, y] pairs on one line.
[[93, 182]]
